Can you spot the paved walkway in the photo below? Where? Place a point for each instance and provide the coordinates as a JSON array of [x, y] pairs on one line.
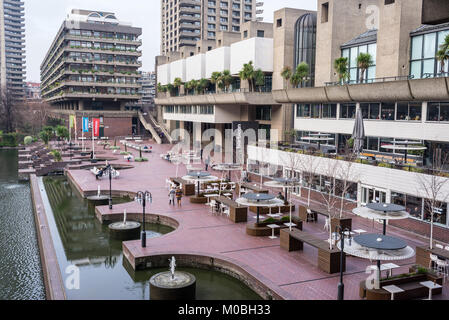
[[292, 275]]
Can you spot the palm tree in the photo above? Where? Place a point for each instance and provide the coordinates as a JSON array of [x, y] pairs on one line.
[[216, 79], [169, 88], [442, 56], [287, 74], [259, 78], [300, 75], [226, 79], [160, 87], [341, 67], [364, 61], [177, 83], [247, 73], [202, 85], [189, 86]]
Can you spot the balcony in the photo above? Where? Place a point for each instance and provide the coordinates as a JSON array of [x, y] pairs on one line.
[[237, 97], [395, 89]]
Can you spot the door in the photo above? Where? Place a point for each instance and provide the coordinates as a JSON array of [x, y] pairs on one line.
[[373, 195]]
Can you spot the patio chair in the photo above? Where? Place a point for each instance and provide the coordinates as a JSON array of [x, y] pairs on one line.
[[212, 204], [446, 248], [439, 246], [434, 259], [442, 267], [310, 215]]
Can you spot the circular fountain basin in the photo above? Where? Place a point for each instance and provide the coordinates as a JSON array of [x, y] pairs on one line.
[[181, 287], [124, 232], [99, 200]]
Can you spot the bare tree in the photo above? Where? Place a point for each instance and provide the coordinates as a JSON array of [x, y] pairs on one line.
[[331, 168], [7, 109], [347, 177], [433, 189], [309, 167]]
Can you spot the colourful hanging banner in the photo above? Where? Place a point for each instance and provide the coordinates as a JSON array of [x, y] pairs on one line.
[[85, 124], [72, 121], [96, 127]]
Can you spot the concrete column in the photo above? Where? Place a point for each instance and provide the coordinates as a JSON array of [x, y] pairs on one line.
[[81, 105], [197, 135], [219, 137], [424, 112]]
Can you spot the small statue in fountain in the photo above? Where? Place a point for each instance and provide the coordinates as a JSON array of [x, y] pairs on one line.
[[172, 267], [124, 218], [99, 192]]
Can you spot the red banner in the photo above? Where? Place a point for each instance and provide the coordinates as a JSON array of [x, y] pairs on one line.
[[96, 127]]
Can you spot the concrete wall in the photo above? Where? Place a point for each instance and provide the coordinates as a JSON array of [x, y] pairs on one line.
[[218, 60], [196, 67], [178, 70], [163, 74], [257, 50]]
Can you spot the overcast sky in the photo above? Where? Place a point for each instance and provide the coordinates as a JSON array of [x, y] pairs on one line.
[[43, 19]]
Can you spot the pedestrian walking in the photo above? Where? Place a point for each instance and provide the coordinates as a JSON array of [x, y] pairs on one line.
[[207, 162], [179, 196], [201, 153], [171, 196]]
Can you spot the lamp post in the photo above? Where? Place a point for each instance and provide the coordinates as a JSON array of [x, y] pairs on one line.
[[343, 233], [142, 198], [109, 170]]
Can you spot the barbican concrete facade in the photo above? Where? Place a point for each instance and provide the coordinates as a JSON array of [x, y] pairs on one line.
[[91, 70], [403, 95], [12, 47]]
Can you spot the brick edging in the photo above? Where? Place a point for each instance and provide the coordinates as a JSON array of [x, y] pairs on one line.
[[54, 286]]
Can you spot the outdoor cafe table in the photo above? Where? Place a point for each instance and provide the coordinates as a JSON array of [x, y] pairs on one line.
[[252, 187]]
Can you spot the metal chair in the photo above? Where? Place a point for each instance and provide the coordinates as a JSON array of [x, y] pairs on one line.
[[434, 259], [310, 216]]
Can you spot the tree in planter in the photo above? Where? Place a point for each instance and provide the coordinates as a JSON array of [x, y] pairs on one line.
[[442, 56], [202, 85], [62, 132], [259, 79], [226, 79], [286, 74], [177, 83], [364, 61], [341, 67], [191, 85], [300, 75], [433, 189], [56, 155], [215, 79], [169, 88], [289, 135], [44, 136], [247, 73]]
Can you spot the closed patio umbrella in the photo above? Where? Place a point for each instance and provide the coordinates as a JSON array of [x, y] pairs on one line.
[[359, 132]]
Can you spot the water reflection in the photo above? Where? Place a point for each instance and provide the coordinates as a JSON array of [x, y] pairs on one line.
[[80, 239], [20, 269]]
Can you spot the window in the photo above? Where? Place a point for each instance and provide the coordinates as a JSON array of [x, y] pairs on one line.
[[354, 72], [409, 111], [413, 205], [329, 111], [279, 23], [387, 2], [263, 113], [325, 12], [438, 111], [347, 110], [424, 47], [260, 33], [370, 111], [303, 110], [387, 111], [245, 34]]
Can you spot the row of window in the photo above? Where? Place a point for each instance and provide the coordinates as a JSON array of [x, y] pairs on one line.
[[388, 111], [205, 110], [107, 35]]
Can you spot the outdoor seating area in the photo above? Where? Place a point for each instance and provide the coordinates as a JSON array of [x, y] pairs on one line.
[[188, 189], [231, 209], [328, 260]]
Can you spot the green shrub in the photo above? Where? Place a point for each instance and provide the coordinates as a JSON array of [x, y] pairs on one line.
[[269, 220], [285, 219], [28, 140], [385, 165], [8, 140], [124, 153], [114, 148], [57, 155], [141, 160]]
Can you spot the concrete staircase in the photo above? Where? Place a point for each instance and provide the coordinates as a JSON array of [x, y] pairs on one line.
[[160, 135]]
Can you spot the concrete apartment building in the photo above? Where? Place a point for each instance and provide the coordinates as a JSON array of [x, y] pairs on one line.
[[91, 70], [12, 48], [403, 96], [148, 88], [185, 22]]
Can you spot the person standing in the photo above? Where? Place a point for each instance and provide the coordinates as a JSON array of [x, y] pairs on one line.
[[171, 196], [201, 153], [207, 162], [179, 196]]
